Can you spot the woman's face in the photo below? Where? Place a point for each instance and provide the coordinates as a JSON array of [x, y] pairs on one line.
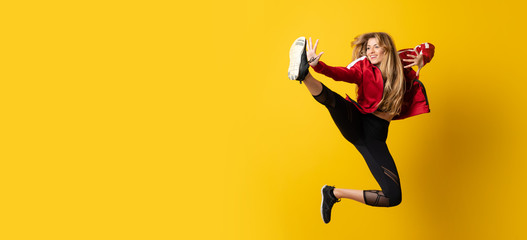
[[374, 52]]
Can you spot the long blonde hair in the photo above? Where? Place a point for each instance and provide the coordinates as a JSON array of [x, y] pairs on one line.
[[391, 69]]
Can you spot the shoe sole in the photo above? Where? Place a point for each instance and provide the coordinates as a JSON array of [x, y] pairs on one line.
[[322, 204], [295, 57]]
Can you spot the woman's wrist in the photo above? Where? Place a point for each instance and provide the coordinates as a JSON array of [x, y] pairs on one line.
[[313, 61]]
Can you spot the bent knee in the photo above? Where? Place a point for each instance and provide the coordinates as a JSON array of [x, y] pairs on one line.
[[395, 200]]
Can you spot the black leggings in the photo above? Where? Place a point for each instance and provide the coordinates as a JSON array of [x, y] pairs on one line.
[[368, 134]]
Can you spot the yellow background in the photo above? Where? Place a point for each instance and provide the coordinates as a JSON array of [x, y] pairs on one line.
[[176, 120]]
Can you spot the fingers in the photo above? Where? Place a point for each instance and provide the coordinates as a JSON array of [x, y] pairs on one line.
[[310, 44], [410, 65], [409, 60]]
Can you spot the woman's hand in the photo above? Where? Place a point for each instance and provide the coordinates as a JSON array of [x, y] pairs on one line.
[[416, 61], [312, 56]]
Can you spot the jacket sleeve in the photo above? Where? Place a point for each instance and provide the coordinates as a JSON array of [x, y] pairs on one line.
[[351, 74], [426, 49]]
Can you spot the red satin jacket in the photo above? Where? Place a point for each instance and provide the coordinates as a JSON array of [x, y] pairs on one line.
[[371, 85]]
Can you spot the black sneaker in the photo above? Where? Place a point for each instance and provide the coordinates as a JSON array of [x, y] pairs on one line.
[[328, 199], [298, 65]]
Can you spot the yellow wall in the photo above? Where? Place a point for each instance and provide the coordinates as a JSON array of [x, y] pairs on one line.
[[171, 120]]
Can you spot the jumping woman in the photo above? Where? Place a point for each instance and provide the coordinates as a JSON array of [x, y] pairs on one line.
[[388, 89]]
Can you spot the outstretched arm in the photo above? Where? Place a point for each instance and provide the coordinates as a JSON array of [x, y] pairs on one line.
[[346, 74]]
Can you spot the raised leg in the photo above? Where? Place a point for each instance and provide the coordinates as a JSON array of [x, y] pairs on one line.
[[313, 85]]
